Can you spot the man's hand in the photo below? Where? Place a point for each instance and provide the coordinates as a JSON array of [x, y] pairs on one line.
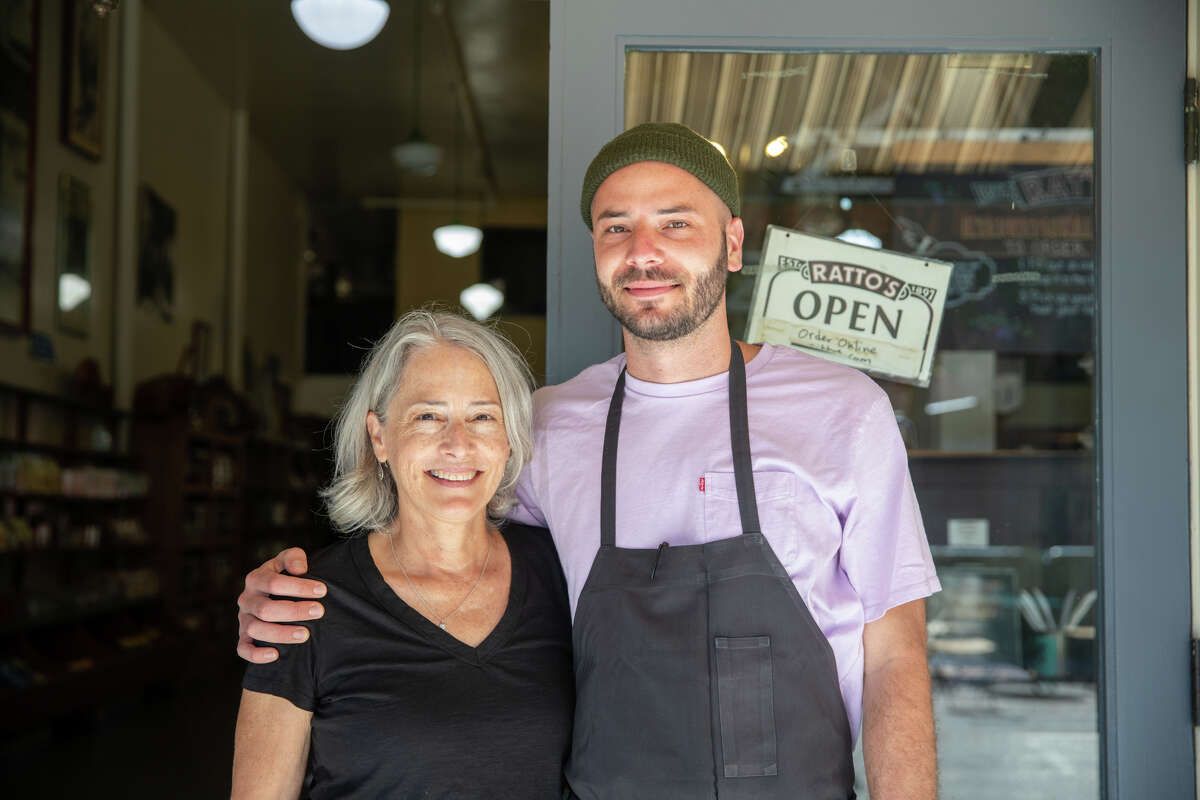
[[898, 740], [257, 611]]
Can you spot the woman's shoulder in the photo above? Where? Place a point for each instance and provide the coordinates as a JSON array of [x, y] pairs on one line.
[[333, 555], [534, 550], [530, 543], [527, 535], [337, 562]]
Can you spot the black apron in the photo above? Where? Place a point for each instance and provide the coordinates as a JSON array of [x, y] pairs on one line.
[[699, 671]]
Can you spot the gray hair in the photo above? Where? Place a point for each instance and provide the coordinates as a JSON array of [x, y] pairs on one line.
[[362, 496]]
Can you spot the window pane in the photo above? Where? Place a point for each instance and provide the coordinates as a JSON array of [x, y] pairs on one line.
[[984, 160]]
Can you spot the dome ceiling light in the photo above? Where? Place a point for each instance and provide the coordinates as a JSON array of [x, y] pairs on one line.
[[340, 24], [482, 300], [456, 239], [416, 154]]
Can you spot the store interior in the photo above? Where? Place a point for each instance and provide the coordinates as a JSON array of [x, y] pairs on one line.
[[207, 216], [163, 424]]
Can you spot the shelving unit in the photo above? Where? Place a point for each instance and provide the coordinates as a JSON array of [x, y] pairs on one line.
[[190, 438], [80, 584], [225, 499], [124, 536], [285, 474]]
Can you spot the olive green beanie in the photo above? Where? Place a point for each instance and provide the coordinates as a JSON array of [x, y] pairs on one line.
[[669, 142]]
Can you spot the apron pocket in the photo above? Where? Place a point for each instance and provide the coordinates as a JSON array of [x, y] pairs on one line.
[[746, 703]]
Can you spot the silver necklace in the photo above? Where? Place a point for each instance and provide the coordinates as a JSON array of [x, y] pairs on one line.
[[441, 621]]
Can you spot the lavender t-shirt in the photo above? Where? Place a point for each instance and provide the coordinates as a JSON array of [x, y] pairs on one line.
[[830, 472]]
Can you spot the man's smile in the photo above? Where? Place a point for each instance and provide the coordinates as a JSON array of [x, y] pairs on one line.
[[646, 290]]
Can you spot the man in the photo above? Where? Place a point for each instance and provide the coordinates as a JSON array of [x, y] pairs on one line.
[[744, 554]]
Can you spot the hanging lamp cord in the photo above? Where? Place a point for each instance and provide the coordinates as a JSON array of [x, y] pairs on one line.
[[416, 90]]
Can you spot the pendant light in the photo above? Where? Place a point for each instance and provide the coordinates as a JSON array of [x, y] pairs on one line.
[[481, 300], [417, 154], [340, 24], [456, 239]]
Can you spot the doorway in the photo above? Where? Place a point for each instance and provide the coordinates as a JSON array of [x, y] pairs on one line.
[[989, 140]]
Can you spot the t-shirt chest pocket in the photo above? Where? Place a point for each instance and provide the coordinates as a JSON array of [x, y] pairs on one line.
[[776, 494]]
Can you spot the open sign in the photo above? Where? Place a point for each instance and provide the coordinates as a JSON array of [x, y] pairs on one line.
[[873, 309]]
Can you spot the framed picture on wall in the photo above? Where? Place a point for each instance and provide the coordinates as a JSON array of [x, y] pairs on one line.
[[83, 79], [156, 267], [74, 255], [18, 115]]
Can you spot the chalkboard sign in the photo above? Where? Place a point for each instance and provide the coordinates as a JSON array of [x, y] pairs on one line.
[[1022, 245]]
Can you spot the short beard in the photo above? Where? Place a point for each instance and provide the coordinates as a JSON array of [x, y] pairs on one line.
[[701, 300]]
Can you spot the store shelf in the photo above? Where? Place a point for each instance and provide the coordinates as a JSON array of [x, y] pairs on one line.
[[106, 457], [26, 622], [212, 544], [231, 440], [200, 490], [65, 402], [107, 549], [58, 497]]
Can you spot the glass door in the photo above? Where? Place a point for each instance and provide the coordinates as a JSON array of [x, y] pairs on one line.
[[985, 160], [1058, 646]]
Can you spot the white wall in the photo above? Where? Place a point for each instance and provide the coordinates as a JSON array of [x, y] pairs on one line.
[[183, 149]]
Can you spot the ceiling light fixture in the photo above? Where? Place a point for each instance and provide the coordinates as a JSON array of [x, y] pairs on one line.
[[776, 147], [482, 300], [340, 24], [456, 239], [416, 154], [861, 237]]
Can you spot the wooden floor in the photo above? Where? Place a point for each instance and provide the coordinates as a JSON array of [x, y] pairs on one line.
[[165, 742]]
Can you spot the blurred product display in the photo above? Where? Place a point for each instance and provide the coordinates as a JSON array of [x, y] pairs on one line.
[[122, 535], [34, 473]]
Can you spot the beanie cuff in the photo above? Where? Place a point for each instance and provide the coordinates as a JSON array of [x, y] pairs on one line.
[[669, 143]]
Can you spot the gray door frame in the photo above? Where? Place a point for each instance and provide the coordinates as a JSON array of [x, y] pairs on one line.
[[1145, 609]]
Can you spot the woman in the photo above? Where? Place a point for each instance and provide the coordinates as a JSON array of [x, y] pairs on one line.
[[443, 666]]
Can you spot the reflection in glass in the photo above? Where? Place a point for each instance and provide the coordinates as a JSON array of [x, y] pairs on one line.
[[73, 255], [984, 160], [73, 291]]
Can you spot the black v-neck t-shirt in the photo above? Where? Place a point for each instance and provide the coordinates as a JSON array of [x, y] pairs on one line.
[[403, 709]]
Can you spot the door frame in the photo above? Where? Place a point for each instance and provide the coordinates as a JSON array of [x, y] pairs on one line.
[[1193, 271], [1142, 361]]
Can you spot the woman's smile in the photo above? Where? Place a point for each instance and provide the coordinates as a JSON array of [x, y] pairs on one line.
[[453, 477]]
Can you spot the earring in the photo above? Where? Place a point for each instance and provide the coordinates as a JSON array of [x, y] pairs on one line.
[[382, 474]]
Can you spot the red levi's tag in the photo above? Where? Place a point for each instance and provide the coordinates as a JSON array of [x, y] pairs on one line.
[[702, 484]]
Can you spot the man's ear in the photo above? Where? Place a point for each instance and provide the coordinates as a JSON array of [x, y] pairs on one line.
[[734, 234], [375, 433]]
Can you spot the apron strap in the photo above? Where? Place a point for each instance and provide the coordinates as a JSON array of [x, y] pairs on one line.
[[608, 471], [739, 439]]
